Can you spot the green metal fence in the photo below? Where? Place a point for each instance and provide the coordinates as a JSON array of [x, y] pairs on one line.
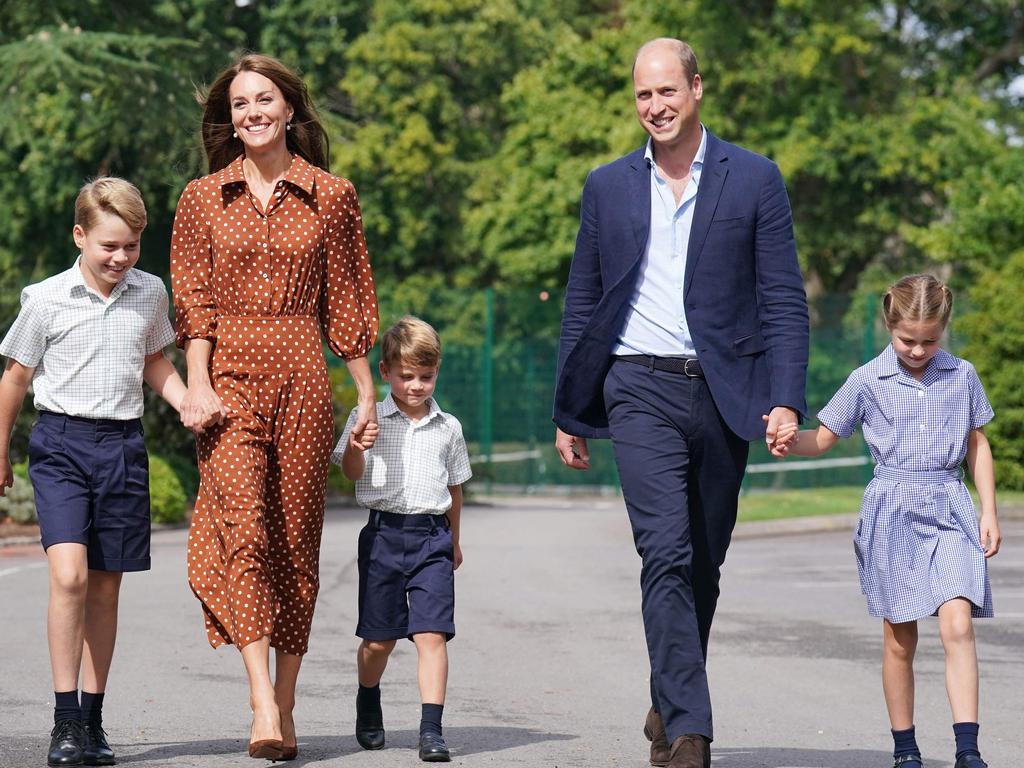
[[497, 376]]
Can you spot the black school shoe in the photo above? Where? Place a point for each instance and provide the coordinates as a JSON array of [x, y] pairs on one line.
[[912, 760], [97, 751], [971, 760], [370, 729], [67, 740], [433, 749]]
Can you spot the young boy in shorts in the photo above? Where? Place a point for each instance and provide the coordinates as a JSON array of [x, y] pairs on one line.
[[411, 481], [85, 339]]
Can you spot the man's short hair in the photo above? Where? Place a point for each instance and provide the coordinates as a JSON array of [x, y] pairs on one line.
[[411, 341], [685, 53]]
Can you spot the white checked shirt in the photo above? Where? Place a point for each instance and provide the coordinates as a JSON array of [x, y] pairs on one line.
[[410, 466], [89, 351]]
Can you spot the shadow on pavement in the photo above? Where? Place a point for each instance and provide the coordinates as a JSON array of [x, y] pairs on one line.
[[463, 741], [778, 757]]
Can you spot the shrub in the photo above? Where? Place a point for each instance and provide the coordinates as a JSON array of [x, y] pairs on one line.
[[167, 498], [995, 344], [19, 503]]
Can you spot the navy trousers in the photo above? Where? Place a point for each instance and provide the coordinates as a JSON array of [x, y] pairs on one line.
[[681, 468]]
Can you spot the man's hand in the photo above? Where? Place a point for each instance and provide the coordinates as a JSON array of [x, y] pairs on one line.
[[777, 433], [785, 436], [573, 450]]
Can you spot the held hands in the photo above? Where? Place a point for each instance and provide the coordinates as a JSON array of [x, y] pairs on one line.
[[201, 408], [365, 431], [572, 449], [780, 430], [990, 536]]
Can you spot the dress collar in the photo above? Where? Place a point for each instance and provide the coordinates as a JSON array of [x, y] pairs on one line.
[[301, 173]]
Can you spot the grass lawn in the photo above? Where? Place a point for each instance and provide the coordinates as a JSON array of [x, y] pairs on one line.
[[771, 505]]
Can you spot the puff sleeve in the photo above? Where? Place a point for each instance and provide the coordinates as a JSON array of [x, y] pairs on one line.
[[195, 311], [348, 298]]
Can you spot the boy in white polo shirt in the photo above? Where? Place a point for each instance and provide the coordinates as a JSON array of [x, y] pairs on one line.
[[86, 339], [409, 474]]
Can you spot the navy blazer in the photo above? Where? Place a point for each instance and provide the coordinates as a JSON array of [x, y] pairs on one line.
[[743, 293]]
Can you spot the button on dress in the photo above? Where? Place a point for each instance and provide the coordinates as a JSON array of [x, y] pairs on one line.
[[266, 287], [917, 541]]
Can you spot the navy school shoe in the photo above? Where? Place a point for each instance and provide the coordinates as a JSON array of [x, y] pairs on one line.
[[67, 740], [97, 751], [971, 760], [433, 749], [913, 760]]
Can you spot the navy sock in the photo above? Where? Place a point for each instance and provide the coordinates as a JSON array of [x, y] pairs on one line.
[[905, 743], [430, 719], [66, 707], [966, 735], [368, 704], [92, 708]]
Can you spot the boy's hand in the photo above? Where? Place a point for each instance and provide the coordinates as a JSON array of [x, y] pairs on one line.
[[365, 430], [363, 439], [6, 475], [457, 556], [990, 536]]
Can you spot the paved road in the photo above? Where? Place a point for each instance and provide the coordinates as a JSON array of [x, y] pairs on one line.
[[549, 665]]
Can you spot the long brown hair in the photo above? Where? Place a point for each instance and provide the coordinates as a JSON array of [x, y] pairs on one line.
[[307, 136]]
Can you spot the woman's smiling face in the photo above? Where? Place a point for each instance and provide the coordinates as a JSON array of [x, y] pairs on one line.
[[259, 112]]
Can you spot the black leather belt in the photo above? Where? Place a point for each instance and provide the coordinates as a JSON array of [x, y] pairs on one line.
[[688, 366]]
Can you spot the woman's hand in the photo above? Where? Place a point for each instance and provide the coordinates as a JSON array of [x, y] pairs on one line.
[[364, 432], [201, 408]]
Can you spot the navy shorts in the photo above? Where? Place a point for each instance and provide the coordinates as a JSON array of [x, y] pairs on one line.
[[406, 576], [91, 481]]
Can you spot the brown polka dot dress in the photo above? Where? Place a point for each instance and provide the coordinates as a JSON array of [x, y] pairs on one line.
[[263, 285]]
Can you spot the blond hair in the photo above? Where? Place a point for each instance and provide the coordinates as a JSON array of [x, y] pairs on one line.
[[411, 341], [110, 195], [917, 298]]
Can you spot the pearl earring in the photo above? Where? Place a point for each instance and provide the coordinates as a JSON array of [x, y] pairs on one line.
[[235, 134], [288, 126]]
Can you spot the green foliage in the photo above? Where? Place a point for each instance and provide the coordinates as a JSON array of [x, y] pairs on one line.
[[19, 501], [167, 498], [469, 126], [995, 332]]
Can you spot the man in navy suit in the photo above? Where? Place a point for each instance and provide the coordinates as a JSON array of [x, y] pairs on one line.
[[684, 337]]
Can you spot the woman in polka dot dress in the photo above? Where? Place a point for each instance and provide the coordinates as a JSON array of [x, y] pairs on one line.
[[267, 254]]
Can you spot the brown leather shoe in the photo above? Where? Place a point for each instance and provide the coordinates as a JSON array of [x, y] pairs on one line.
[[654, 730], [690, 751]]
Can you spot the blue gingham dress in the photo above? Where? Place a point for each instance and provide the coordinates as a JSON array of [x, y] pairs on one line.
[[917, 541]]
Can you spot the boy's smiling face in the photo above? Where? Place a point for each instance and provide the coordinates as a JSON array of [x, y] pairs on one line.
[[109, 249], [411, 386]]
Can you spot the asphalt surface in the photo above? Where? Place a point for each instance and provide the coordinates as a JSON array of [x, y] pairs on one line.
[[549, 665]]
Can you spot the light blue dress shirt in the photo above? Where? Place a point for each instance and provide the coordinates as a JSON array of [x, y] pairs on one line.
[[656, 320]]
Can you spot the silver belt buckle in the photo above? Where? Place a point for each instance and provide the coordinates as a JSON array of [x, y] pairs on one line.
[[696, 365]]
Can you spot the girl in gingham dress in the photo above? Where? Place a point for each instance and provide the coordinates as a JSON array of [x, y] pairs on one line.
[[920, 549]]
